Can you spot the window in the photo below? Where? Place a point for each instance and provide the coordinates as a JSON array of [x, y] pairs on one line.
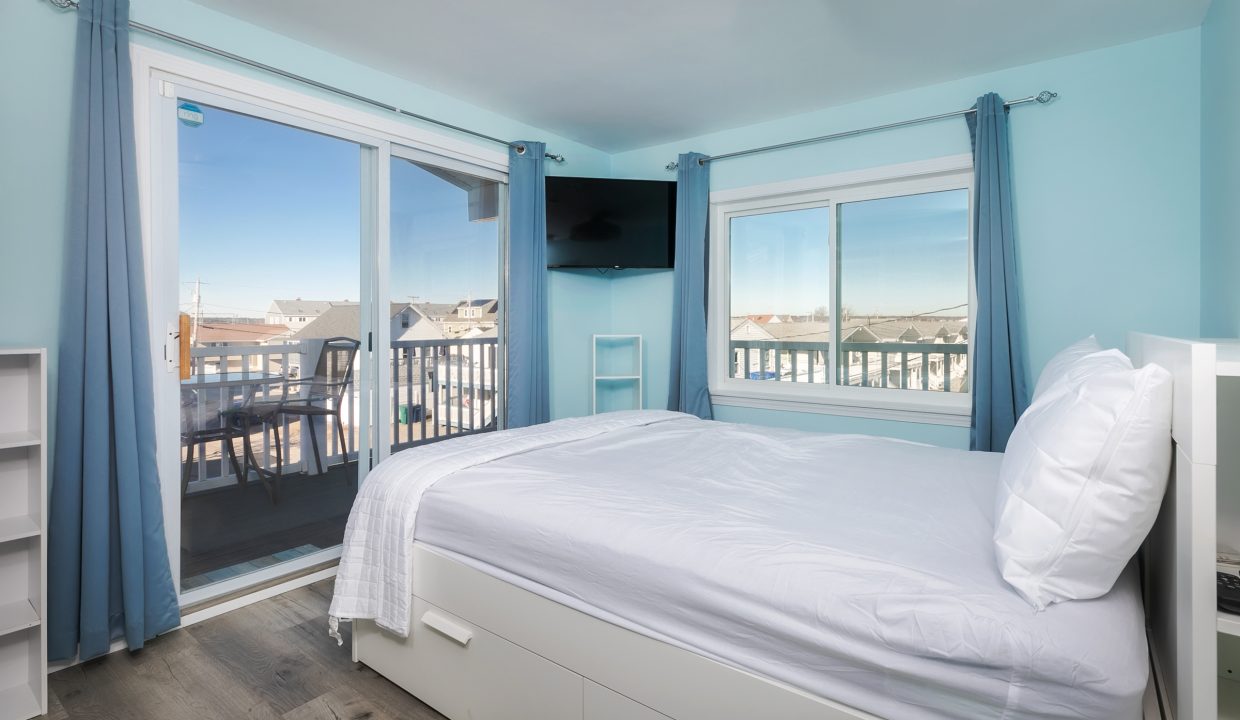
[[846, 294]]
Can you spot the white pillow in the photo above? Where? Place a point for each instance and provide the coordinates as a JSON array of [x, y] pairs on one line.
[[1083, 478], [1058, 365]]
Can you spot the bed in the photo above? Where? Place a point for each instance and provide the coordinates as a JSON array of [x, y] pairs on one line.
[[573, 570]]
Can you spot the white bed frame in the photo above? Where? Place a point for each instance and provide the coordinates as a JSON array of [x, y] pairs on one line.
[[483, 648]]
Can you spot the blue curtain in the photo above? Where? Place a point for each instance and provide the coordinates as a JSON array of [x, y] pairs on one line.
[[1000, 385], [529, 384], [687, 391], [108, 573]]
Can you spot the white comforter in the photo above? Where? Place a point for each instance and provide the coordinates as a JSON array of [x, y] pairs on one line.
[[856, 568], [375, 578]]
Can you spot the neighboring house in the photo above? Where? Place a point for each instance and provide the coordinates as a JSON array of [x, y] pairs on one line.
[[409, 323], [236, 334], [865, 366], [296, 313], [438, 313], [223, 334], [344, 320], [744, 328], [763, 349], [478, 332], [801, 331], [471, 314]]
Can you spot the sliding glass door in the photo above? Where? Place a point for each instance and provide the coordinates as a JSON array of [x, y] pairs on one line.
[[272, 310], [321, 298], [269, 293], [445, 299]]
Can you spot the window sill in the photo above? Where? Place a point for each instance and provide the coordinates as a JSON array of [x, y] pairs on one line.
[[954, 414]]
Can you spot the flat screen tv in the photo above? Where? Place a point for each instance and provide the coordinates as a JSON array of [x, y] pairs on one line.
[[602, 223]]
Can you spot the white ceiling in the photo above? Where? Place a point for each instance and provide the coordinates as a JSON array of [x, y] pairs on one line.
[[622, 74]]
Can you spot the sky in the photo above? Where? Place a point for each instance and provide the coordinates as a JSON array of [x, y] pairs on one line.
[[269, 211], [898, 256]]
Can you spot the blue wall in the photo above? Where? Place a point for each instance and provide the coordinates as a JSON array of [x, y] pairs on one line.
[[34, 179], [621, 302], [1220, 170], [1107, 198]]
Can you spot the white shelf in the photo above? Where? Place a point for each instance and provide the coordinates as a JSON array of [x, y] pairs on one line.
[[16, 616], [19, 701], [18, 527], [23, 545], [618, 377], [1228, 623], [1228, 360], [18, 440]]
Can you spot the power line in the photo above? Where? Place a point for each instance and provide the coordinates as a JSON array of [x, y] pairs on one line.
[[232, 327]]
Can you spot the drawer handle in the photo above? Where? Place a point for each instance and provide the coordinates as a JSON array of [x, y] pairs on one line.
[[455, 632]]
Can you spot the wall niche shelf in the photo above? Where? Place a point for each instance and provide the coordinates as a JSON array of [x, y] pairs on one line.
[[616, 377]]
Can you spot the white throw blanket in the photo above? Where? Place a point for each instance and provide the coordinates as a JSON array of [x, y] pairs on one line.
[[375, 577]]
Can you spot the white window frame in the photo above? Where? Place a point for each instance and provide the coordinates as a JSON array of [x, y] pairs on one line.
[[156, 75], [829, 191]]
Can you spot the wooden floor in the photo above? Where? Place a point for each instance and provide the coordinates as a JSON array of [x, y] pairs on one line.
[[272, 659]]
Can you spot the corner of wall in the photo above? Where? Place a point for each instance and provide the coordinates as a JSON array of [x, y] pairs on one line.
[[1220, 171]]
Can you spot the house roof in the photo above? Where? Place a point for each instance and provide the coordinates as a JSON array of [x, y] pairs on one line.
[[903, 329], [238, 332], [800, 331], [475, 303], [297, 306], [341, 320], [855, 329], [435, 311]]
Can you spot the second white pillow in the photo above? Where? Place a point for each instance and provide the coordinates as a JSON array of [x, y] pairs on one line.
[[1057, 367]]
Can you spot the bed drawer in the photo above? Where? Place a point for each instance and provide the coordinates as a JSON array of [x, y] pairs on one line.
[[468, 673], [603, 704]]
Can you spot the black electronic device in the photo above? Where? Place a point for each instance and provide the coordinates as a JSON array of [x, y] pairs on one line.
[[604, 223]]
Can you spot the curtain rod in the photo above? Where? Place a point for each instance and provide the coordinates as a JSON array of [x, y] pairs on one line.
[[73, 4], [1041, 98]]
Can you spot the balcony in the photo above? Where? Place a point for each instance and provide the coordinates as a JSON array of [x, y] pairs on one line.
[[230, 526], [931, 366]]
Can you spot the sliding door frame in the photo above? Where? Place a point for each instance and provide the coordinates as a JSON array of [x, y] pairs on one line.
[[426, 157], [159, 79]]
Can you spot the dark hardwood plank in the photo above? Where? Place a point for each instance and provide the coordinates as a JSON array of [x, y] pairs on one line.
[[110, 687], [343, 702], [269, 661], [256, 658], [207, 687]]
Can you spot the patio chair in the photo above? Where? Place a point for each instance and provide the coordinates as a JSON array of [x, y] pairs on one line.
[[320, 395], [204, 421]]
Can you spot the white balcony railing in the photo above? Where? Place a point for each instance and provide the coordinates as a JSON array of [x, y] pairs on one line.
[[439, 389], [941, 367]]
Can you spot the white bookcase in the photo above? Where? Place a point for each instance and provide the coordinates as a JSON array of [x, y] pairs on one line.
[[23, 544], [616, 379]]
